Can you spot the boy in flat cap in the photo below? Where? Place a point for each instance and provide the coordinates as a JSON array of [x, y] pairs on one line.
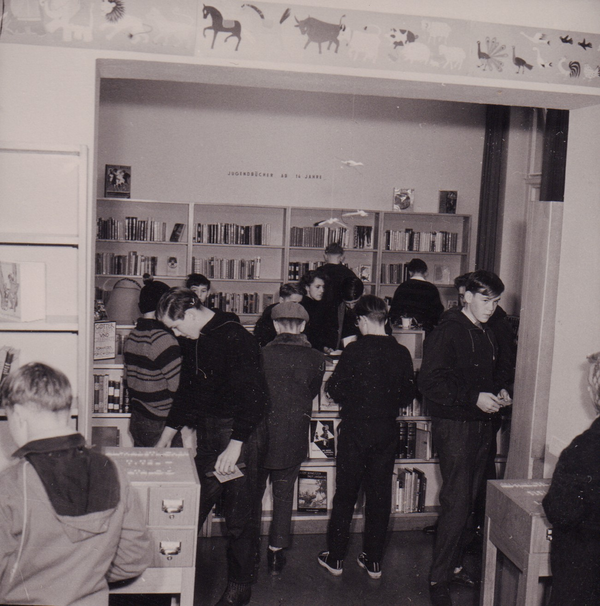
[[294, 373]]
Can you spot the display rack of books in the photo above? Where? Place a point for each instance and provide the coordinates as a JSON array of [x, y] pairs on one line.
[[439, 239], [241, 249], [312, 229], [45, 305]]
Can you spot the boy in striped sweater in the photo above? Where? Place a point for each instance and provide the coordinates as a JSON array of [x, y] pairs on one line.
[[153, 365]]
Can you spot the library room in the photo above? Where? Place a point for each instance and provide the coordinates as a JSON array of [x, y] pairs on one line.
[[173, 180]]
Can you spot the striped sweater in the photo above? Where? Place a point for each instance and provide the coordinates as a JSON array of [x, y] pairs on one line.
[[152, 365]]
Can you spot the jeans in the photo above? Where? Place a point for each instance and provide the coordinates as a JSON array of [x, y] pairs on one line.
[[146, 428], [463, 448], [366, 455], [238, 496]]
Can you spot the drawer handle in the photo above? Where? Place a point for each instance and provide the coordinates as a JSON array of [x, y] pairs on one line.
[[170, 548], [172, 505]]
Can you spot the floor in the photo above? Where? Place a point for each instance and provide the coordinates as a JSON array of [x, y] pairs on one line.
[[304, 583]]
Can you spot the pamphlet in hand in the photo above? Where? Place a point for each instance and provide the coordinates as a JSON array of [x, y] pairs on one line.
[[226, 477]]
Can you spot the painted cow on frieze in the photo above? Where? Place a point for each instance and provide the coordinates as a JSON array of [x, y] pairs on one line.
[[319, 32]]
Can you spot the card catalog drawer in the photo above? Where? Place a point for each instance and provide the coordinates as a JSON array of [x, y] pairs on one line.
[[172, 506], [173, 547]]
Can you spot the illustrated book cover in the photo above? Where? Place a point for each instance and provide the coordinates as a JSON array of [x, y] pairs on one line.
[[312, 491], [22, 291]]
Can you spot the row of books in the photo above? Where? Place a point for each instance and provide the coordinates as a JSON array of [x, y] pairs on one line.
[[409, 490], [231, 233], [227, 269], [393, 273], [110, 395], [318, 237], [239, 303], [417, 408], [131, 264], [138, 230], [296, 269], [421, 241], [414, 440]]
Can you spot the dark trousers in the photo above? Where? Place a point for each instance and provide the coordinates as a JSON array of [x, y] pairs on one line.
[[238, 496], [366, 455], [463, 448], [575, 562], [146, 428], [282, 487]]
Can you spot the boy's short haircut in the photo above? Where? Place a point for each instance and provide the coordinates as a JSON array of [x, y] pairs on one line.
[[461, 281], [197, 280], [352, 288], [289, 289], [175, 302], [371, 307], [334, 249], [485, 282], [38, 384], [289, 325], [416, 266], [151, 293]]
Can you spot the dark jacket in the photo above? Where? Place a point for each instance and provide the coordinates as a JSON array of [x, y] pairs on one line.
[[264, 330], [336, 273], [373, 379], [573, 499], [322, 327], [294, 374], [417, 299], [507, 346], [459, 362], [221, 377]]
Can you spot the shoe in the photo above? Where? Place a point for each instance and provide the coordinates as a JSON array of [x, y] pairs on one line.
[[275, 561], [463, 578], [373, 568], [236, 594], [439, 594], [335, 567]]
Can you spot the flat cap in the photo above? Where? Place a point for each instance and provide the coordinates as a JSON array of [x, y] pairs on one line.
[[289, 310]]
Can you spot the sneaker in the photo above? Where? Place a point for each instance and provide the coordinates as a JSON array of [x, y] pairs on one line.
[[373, 568], [335, 567], [275, 561]]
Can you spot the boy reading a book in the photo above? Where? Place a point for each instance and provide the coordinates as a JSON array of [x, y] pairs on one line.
[[294, 373], [69, 520], [372, 380]]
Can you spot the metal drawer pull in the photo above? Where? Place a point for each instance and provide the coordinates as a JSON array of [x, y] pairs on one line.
[[170, 548], [172, 505]]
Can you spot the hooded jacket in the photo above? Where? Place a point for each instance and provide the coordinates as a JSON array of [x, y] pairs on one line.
[[459, 363], [65, 533], [221, 378]]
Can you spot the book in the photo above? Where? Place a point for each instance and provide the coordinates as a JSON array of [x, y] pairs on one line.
[[22, 291], [177, 233], [326, 403], [402, 443], [105, 340], [9, 359], [322, 439], [172, 266], [312, 491], [423, 449], [411, 439], [448, 201], [420, 489]]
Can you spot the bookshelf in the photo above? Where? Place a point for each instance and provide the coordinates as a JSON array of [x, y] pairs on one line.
[[248, 251], [44, 221]]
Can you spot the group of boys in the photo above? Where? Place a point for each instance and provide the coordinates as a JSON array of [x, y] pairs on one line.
[[250, 409]]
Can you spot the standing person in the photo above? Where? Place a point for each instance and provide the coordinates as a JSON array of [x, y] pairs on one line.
[[417, 298], [572, 505], [264, 330], [223, 389], [294, 373], [372, 380], [69, 520], [336, 272], [321, 329], [351, 291], [460, 382], [200, 284], [152, 368]]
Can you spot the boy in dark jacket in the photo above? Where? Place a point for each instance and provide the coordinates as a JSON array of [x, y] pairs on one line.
[[294, 373], [69, 520], [264, 330], [222, 389], [372, 380], [464, 391]]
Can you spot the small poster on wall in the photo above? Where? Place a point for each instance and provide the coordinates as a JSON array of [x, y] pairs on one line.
[[105, 340], [404, 199], [117, 181], [448, 200]]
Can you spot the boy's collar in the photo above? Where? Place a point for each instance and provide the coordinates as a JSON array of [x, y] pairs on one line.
[[46, 445]]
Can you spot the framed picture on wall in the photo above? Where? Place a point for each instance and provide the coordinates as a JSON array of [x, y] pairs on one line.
[[448, 200], [404, 199], [117, 181]]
